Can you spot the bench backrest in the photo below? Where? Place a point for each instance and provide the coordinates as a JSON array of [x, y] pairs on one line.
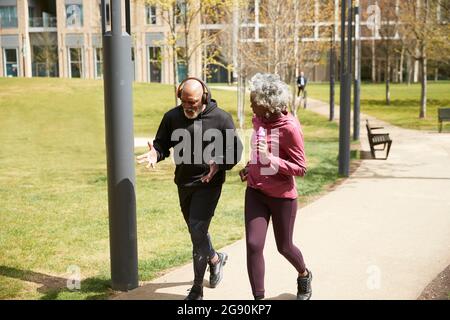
[[369, 132], [444, 114]]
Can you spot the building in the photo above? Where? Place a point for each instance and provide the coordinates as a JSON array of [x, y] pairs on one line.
[[62, 38]]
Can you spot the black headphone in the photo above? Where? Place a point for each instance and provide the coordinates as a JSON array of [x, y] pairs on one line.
[[206, 96]]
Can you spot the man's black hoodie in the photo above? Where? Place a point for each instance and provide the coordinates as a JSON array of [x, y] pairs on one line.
[[188, 145]]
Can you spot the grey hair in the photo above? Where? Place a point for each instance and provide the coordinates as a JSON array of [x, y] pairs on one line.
[[270, 92]]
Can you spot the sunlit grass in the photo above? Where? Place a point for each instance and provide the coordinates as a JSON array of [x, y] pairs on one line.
[[405, 102]]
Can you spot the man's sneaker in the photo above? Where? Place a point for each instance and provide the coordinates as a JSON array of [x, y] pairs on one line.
[[216, 270], [304, 290], [196, 293]]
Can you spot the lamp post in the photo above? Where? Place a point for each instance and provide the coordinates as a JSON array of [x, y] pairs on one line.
[[332, 73], [345, 100], [357, 83], [120, 147]]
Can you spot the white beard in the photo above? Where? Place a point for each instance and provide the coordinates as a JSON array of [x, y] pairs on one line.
[[194, 114], [191, 115]]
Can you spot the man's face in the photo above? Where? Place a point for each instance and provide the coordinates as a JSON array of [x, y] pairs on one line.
[[192, 103], [302, 74]]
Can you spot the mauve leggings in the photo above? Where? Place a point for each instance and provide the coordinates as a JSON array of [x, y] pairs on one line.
[[258, 210]]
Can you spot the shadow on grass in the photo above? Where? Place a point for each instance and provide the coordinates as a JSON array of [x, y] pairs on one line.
[[53, 287]]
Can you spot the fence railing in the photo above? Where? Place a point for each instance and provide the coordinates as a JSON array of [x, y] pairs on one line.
[[39, 22]]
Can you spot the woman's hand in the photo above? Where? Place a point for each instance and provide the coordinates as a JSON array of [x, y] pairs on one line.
[[243, 174], [263, 152]]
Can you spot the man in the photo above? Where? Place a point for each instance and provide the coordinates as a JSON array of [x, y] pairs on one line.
[[301, 83], [205, 145]]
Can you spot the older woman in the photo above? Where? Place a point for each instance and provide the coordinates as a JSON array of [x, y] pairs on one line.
[[278, 155]]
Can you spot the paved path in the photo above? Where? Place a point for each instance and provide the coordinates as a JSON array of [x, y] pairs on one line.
[[382, 234]]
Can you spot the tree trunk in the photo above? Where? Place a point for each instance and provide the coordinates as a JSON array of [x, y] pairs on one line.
[[296, 62], [416, 68], [409, 63], [388, 73], [379, 68], [186, 38], [388, 89], [174, 62], [436, 74], [423, 60], [423, 95], [276, 40], [374, 75], [174, 53], [402, 58]]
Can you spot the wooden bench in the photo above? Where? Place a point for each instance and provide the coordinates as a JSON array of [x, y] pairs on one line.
[[443, 115], [376, 139]]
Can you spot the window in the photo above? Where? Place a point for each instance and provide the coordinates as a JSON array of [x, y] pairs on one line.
[[154, 57], [150, 14], [181, 11], [107, 12], [44, 60], [74, 15], [181, 64], [75, 63], [98, 59], [11, 63], [8, 17]]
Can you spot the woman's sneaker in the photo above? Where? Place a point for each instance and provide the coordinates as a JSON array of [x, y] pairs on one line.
[[216, 270], [304, 290]]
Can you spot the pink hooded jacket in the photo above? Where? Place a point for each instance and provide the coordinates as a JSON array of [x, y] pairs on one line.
[[286, 159]]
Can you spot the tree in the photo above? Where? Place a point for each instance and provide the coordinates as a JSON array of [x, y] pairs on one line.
[[279, 45], [387, 32], [427, 36], [183, 18], [168, 15]]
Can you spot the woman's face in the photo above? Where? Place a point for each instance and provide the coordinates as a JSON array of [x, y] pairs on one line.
[[257, 109]]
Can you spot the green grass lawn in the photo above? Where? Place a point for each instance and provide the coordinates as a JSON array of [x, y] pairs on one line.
[[405, 102], [53, 192]]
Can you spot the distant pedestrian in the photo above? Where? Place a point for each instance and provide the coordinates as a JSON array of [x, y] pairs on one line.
[[301, 83]]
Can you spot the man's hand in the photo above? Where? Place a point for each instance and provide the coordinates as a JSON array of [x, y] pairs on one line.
[[213, 168], [151, 157], [243, 174]]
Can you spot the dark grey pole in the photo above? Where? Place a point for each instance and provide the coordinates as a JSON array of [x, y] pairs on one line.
[[344, 117], [120, 148], [332, 72], [357, 83]]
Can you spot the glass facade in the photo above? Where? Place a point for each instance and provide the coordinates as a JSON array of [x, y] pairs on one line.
[[8, 17]]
